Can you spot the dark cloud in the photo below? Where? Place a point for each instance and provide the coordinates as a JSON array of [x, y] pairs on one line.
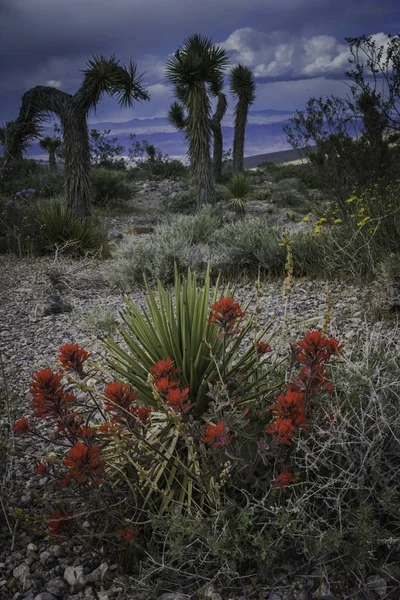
[[45, 41]]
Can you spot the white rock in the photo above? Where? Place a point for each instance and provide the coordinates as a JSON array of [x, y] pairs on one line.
[[74, 576]]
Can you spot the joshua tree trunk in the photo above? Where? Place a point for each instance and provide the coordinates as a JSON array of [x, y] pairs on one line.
[[198, 133], [218, 140], [52, 160], [72, 115], [77, 164], [238, 141]]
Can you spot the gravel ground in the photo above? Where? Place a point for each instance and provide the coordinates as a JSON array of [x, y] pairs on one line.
[[32, 567]]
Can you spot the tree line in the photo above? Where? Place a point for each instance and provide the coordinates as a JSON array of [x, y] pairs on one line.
[[196, 71]]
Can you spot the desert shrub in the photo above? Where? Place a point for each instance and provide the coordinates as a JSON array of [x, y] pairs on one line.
[[180, 203], [250, 244], [29, 174], [278, 172], [60, 230], [109, 186], [182, 242], [18, 226], [386, 289]]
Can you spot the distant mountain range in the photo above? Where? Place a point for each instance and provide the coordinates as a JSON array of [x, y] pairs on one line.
[[264, 133]]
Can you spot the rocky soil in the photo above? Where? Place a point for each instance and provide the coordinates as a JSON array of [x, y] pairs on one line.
[[45, 303]]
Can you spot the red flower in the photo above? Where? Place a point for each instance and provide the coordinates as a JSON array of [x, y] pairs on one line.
[[118, 396], [262, 347], [290, 405], [216, 435], [86, 433], [41, 468], [164, 368], [105, 427], [49, 395], [143, 413], [226, 313], [283, 430], [72, 358], [315, 347], [164, 385], [176, 398], [60, 522], [283, 479], [21, 426], [84, 461], [127, 534]]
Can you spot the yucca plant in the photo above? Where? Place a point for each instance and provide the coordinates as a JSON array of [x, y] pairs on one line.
[[239, 189], [60, 229], [175, 325]]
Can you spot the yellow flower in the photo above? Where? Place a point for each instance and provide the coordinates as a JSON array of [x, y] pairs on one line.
[[307, 218], [337, 221], [363, 221], [350, 200]]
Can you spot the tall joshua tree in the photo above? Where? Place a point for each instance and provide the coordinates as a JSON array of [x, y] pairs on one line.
[[51, 144], [102, 76], [243, 88], [195, 70]]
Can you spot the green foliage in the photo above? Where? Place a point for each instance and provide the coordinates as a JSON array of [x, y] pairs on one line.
[[105, 151], [180, 203], [250, 244], [29, 174], [110, 186], [181, 242], [59, 229], [239, 189], [175, 324]]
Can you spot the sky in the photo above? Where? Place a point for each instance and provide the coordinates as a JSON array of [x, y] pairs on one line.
[[296, 48]]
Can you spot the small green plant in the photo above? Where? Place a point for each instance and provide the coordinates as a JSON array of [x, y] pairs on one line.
[[239, 189], [110, 186], [60, 230]]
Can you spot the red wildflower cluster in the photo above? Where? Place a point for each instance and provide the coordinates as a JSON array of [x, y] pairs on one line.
[[289, 414], [120, 402], [292, 409], [72, 358], [216, 435], [262, 347], [60, 523], [21, 426], [165, 368], [127, 534], [283, 479], [316, 348], [167, 382], [227, 314], [84, 462], [50, 400]]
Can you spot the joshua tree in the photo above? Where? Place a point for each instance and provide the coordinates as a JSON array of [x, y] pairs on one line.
[[196, 70], [243, 87], [177, 118], [103, 75], [51, 144]]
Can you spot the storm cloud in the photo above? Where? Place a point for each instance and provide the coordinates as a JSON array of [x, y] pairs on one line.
[[294, 46]]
